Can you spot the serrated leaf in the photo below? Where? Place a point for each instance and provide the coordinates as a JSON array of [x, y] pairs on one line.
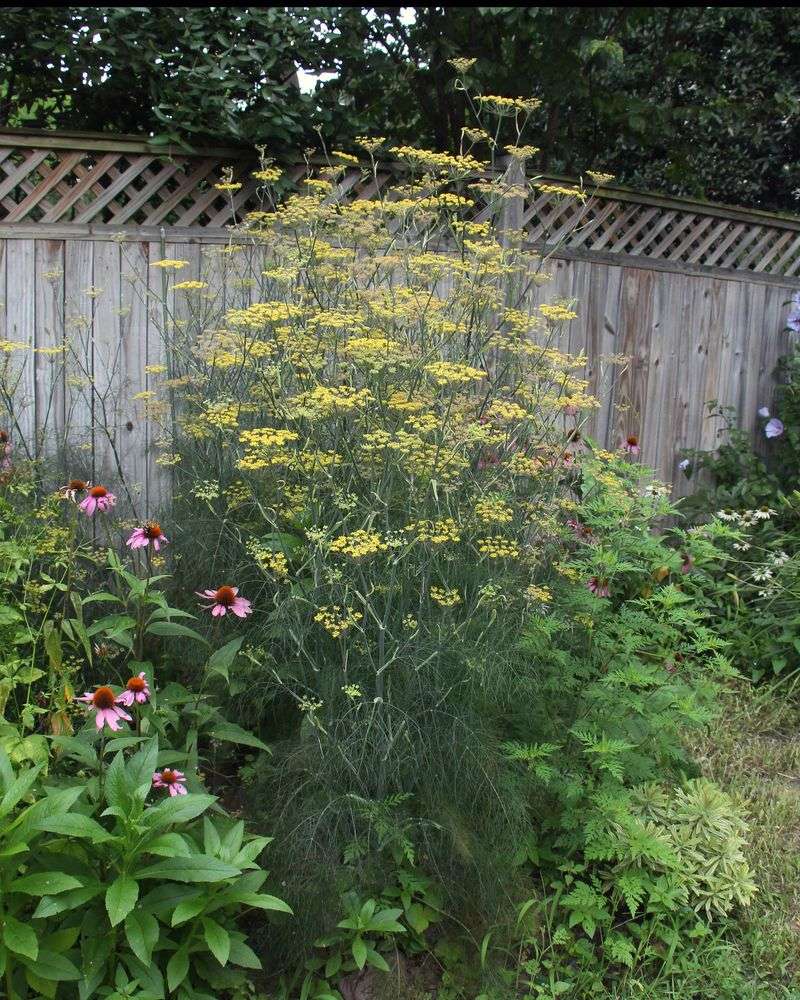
[[217, 939], [121, 898]]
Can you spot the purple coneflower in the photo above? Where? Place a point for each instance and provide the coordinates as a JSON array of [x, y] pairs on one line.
[[75, 488], [136, 690], [150, 533], [226, 599], [173, 780], [582, 532], [106, 707], [631, 445], [599, 586], [98, 499]]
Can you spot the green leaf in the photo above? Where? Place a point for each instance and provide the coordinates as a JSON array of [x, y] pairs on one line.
[[141, 930], [376, 960], [195, 868], [221, 659], [189, 908], [177, 968], [44, 884], [121, 898], [50, 906], [53, 967], [117, 786], [18, 789], [20, 938], [175, 630], [217, 939], [242, 954], [385, 922], [168, 845], [178, 809], [359, 950], [229, 732], [74, 825], [263, 901], [52, 646]]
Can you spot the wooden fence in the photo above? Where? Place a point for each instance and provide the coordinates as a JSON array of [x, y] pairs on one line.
[[695, 294]]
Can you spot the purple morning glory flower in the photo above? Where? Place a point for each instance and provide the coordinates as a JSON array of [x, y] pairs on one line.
[[774, 428], [684, 464], [764, 412], [793, 320]]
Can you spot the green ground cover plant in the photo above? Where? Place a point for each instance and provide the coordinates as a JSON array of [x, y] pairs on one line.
[[473, 658]]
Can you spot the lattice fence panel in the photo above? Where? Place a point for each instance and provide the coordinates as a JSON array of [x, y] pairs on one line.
[[114, 189], [133, 186]]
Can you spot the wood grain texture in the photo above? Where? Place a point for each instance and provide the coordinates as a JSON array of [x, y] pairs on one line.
[[689, 337]]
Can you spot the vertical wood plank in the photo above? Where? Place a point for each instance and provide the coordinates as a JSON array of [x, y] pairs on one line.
[[78, 435], [21, 329], [50, 357], [133, 338], [4, 249]]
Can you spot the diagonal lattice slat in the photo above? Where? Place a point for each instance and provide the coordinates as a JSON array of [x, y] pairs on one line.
[[116, 181]]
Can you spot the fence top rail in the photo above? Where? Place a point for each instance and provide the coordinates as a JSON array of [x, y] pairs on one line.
[[108, 181], [38, 138]]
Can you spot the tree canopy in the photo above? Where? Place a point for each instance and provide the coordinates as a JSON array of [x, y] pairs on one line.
[[686, 100]]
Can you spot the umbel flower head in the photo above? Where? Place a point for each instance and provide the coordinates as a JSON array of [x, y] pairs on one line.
[[173, 780], [106, 707], [136, 690], [98, 498], [150, 533], [226, 599]]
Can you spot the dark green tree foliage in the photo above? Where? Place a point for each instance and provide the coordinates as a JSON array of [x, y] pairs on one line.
[[225, 74], [700, 101]]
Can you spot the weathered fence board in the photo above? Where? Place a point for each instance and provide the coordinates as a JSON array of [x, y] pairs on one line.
[[694, 294]]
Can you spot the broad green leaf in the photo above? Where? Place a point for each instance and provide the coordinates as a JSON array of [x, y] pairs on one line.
[[359, 950], [229, 732], [175, 630], [121, 898], [44, 988], [20, 938], [19, 788], [221, 659], [178, 809], [177, 968], [376, 960], [263, 901], [195, 868], [74, 825], [50, 906], [52, 646], [44, 884], [117, 787], [242, 954], [51, 805], [54, 967], [168, 845], [189, 908], [141, 930], [217, 939]]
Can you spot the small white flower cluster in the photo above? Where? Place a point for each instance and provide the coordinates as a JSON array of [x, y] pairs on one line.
[[746, 518]]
